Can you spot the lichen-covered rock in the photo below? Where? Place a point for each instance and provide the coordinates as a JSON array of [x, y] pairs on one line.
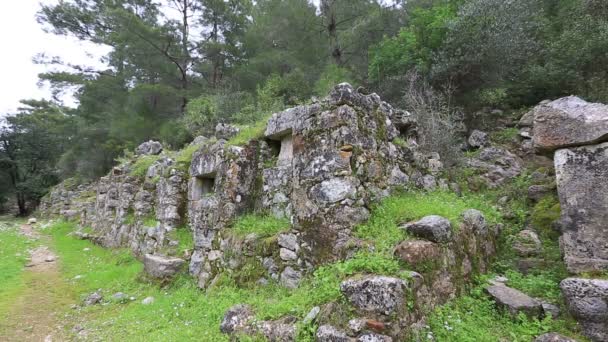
[[417, 252], [291, 278], [373, 337], [433, 227], [496, 165], [162, 267], [515, 301], [478, 139], [236, 318], [569, 121], [582, 185], [474, 220], [149, 148], [328, 333], [94, 298], [587, 302], [377, 295], [553, 337], [225, 131], [526, 243]]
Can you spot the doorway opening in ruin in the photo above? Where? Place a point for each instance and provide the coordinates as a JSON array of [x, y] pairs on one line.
[[282, 149]]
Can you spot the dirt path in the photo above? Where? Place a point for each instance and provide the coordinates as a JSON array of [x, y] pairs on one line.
[[36, 313]]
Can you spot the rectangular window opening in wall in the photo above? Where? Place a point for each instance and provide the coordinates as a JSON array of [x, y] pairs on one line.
[[202, 187]]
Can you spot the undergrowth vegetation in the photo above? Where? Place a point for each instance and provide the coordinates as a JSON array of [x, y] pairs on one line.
[[13, 257], [260, 224]]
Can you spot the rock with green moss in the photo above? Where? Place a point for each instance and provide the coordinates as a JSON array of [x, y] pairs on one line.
[[526, 243]]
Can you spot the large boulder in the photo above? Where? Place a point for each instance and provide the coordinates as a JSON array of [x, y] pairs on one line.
[[162, 267], [587, 301], [149, 148], [433, 227], [569, 121], [515, 301], [582, 183], [375, 294]]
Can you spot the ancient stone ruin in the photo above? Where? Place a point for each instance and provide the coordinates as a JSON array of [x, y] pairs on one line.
[[576, 132], [320, 166]]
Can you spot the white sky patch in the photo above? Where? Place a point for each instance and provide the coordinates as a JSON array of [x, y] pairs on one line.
[[21, 38]]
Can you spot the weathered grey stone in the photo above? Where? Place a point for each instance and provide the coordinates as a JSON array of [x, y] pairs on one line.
[[496, 165], [282, 330], [291, 278], [375, 294], [553, 337], [587, 302], [162, 267], [417, 252], [569, 121], [526, 243], [514, 301], [289, 241], [328, 333], [94, 298], [149, 148], [287, 254], [225, 131], [281, 124], [147, 300], [527, 120], [236, 318], [478, 139], [433, 227], [373, 337], [334, 190], [551, 309], [474, 220], [582, 185], [311, 315]]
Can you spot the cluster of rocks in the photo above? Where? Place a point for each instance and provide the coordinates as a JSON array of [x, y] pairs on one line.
[[387, 308], [576, 133]]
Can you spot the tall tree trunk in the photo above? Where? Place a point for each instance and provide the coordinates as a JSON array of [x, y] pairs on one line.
[[22, 204], [331, 26]]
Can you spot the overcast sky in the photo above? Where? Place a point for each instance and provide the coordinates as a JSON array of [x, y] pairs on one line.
[[21, 38]]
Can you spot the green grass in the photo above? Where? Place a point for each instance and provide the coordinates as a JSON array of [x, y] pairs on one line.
[[248, 133], [182, 311], [142, 164], [505, 136], [185, 238], [475, 318], [260, 224], [383, 227], [183, 157], [13, 257]]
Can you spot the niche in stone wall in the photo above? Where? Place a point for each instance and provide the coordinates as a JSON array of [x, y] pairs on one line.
[[282, 148], [203, 186]]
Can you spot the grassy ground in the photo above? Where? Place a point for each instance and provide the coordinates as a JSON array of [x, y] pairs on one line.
[[182, 312]]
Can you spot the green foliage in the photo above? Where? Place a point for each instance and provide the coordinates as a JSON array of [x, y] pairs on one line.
[[544, 285], [545, 212], [331, 76], [247, 133], [185, 238], [505, 136], [142, 164], [13, 257], [184, 157], [476, 318], [260, 224], [415, 44], [382, 228]]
